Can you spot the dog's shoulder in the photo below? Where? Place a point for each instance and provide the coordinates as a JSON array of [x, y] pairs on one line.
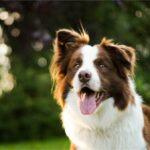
[[146, 131], [72, 147]]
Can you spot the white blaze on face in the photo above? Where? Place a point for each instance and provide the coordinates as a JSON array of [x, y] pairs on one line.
[[89, 54]]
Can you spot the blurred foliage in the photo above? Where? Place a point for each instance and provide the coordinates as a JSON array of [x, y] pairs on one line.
[[46, 144], [29, 111]]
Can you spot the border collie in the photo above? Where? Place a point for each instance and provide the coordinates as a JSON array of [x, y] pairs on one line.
[[94, 85]]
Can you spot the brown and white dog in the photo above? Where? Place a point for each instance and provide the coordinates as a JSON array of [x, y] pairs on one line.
[[95, 88]]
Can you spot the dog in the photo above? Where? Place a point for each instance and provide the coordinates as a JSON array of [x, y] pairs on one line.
[[94, 85]]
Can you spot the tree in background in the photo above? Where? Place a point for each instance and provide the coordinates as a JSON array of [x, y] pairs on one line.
[[28, 109]]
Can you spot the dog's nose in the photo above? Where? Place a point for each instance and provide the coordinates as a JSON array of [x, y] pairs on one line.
[[84, 76]]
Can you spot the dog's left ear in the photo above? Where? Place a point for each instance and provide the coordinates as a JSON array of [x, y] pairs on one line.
[[123, 57]]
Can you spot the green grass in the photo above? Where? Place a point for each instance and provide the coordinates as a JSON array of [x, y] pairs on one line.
[[49, 144]]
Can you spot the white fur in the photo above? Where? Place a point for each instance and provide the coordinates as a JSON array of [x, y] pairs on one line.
[[107, 128], [89, 54]]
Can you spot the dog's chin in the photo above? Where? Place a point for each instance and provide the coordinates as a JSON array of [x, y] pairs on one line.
[[90, 100]]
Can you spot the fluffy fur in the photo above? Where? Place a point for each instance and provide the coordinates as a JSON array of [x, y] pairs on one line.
[[119, 122]]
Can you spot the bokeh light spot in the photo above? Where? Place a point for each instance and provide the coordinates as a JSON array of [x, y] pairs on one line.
[[15, 32], [42, 62]]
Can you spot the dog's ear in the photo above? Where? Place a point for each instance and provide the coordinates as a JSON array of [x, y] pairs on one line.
[[123, 57], [65, 43], [66, 39]]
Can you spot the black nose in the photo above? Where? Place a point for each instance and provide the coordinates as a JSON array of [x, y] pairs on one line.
[[84, 76]]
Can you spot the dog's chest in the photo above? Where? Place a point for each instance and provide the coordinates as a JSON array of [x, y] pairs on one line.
[[117, 138], [97, 140]]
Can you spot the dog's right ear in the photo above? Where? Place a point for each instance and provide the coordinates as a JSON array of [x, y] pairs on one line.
[[67, 40]]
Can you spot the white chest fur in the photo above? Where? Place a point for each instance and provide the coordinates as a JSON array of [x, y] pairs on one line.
[[106, 129]]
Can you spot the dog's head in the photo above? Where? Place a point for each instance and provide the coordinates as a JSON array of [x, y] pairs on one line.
[[95, 73]]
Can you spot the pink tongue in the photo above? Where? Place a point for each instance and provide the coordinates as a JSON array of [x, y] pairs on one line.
[[87, 104]]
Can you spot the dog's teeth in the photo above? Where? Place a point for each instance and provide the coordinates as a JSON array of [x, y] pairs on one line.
[[99, 95], [96, 95]]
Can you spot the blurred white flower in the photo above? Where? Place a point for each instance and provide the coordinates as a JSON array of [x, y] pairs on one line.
[[4, 15], [6, 78]]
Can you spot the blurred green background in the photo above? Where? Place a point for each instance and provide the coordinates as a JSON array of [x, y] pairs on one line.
[[27, 30]]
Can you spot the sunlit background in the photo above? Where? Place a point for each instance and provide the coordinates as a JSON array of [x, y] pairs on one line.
[[27, 30]]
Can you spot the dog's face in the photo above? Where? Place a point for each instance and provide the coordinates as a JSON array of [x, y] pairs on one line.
[[95, 73]]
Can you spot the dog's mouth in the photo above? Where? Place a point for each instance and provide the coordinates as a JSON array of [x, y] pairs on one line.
[[89, 100]]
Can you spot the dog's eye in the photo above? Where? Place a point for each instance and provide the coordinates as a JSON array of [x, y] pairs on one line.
[[102, 66], [77, 65]]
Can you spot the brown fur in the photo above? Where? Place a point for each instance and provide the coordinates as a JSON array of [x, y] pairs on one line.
[[120, 62], [72, 147], [65, 44], [122, 56], [146, 130]]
